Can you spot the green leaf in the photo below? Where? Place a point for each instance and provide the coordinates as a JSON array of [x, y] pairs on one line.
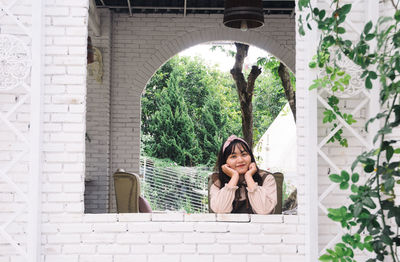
[[368, 83], [389, 184], [357, 209], [344, 185], [345, 176], [325, 258], [369, 202], [312, 64], [354, 188], [369, 168], [397, 15], [341, 30], [335, 178], [355, 177], [372, 75], [345, 9], [369, 37], [386, 239], [389, 153], [367, 27]]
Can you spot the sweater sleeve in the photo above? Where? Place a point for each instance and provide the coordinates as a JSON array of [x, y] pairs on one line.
[[221, 199], [263, 198]]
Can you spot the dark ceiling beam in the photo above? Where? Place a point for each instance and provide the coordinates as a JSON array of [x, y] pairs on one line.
[[191, 8]]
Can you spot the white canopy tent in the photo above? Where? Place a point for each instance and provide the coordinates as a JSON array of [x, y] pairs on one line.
[[277, 149]]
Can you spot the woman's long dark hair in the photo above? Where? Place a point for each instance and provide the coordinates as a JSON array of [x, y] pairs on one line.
[[223, 156]]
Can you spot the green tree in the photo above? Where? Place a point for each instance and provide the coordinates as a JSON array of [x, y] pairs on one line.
[[172, 128]]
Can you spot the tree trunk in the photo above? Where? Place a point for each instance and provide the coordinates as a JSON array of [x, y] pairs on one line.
[[245, 91], [283, 72]]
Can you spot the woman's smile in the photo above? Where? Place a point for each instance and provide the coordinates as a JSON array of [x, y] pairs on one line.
[[239, 160]]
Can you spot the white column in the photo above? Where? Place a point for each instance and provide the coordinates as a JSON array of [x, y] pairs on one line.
[[372, 14], [36, 113], [311, 154]]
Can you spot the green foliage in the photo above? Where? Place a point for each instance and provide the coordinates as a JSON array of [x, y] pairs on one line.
[[212, 110], [372, 201]]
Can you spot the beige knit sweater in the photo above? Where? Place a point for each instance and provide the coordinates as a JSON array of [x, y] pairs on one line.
[[262, 199]]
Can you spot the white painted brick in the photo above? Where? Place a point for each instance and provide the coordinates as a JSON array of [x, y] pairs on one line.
[[266, 218], [134, 217], [64, 238], [230, 258], [144, 227], [196, 258], [108, 228], [177, 227], [130, 258], [95, 258], [146, 249], [166, 238], [132, 238], [233, 217], [291, 219], [232, 238], [79, 249], [280, 249], [211, 227], [112, 249], [265, 239], [164, 258], [167, 217], [263, 258], [278, 229], [212, 249], [244, 228], [68, 21], [62, 258], [75, 228], [246, 249], [293, 239], [180, 249], [95, 238], [198, 238]]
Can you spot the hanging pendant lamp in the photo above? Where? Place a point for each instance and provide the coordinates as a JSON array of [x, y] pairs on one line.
[[243, 14]]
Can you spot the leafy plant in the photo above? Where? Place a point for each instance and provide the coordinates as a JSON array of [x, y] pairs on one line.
[[372, 219]]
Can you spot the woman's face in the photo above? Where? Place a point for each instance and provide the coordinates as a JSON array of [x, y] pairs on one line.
[[239, 159]]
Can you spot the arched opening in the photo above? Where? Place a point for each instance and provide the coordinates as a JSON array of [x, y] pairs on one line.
[[129, 61], [190, 106]]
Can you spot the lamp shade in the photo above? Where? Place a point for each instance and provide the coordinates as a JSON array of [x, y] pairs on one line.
[[243, 14]]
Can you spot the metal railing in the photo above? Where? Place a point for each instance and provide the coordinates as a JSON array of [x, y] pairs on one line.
[[175, 188]]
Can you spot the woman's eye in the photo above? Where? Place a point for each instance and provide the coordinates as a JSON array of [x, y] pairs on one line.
[[233, 156], [245, 154]]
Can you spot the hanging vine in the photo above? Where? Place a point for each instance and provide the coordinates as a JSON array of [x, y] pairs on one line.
[[372, 219]]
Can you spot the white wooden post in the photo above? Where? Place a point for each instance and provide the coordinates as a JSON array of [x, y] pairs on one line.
[[36, 113], [311, 138], [372, 13]]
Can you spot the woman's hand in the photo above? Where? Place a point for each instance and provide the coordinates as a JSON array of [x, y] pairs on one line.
[[252, 169], [249, 176], [229, 171]]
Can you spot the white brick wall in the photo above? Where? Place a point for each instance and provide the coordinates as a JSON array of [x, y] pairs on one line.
[[138, 49], [97, 175]]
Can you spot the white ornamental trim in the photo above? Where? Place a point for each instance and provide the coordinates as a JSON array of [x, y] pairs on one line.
[[356, 84], [15, 62]]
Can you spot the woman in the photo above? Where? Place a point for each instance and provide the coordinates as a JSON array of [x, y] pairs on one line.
[[237, 185]]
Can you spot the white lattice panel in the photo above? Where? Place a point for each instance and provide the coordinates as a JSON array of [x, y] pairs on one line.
[[16, 88], [333, 158]]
